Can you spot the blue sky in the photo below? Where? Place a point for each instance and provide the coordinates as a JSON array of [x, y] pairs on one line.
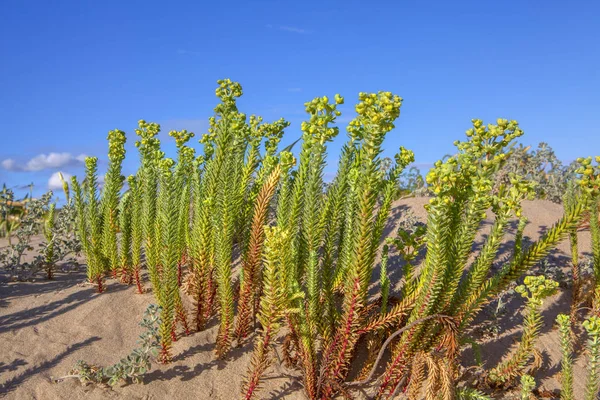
[[72, 70]]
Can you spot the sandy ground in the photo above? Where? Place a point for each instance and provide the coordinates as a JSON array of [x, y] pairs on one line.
[[47, 326]]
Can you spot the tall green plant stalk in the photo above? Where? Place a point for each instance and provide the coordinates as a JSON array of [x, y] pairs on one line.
[[527, 386], [273, 305], [168, 286], [49, 256], [590, 185], [137, 230], [534, 290], [183, 172], [566, 345], [125, 219], [252, 261], [229, 128], [592, 386], [569, 198], [150, 156], [109, 204], [89, 222]]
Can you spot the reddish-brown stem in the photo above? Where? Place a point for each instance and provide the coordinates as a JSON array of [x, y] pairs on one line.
[[165, 356], [182, 317], [179, 273], [100, 287], [138, 282]]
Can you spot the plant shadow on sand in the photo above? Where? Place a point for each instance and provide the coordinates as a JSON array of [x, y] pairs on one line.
[[185, 373], [43, 313], [18, 380]]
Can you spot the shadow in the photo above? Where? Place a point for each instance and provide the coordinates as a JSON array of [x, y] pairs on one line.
[[37, 315], [192, 351], [286, 389], [391, 223], [12, 366], [61, 281], [185, 373], [18, 380]]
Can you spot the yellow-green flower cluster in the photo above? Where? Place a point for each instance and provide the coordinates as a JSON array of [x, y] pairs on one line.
[[273, 132], [165, 166], [228, 91], [91, 163], [509, 199], [376, 113], [404, 157], [287, 161], [322, 113], [592, 326], [537, 288], [131, 180], [209, 145], [181, 137], [148, 144], [589, 175], [116, 145]]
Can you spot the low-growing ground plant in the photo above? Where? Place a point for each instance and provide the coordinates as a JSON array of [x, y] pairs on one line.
[[132, 367]]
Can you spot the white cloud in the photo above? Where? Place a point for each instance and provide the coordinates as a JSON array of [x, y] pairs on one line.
[[9, 164], [44, 161], [54, 183]]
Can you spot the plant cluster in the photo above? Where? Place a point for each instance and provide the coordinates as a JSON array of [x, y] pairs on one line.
[[265, 246], [11, 211], [57, 227], [541, 166]]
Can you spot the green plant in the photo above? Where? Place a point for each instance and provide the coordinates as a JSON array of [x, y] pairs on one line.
[[137, 230], [308, 250], [465, 187], [590, 183], [592, 386], [272, 312], [135, 365], [125, 245], [470, 394], [11, 212], [542, 167], [534, 290], [570, 196], [166, 285], [49, 256], [97, 214], [527, 386], [566, 344], [12, 256], [90, 222]]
